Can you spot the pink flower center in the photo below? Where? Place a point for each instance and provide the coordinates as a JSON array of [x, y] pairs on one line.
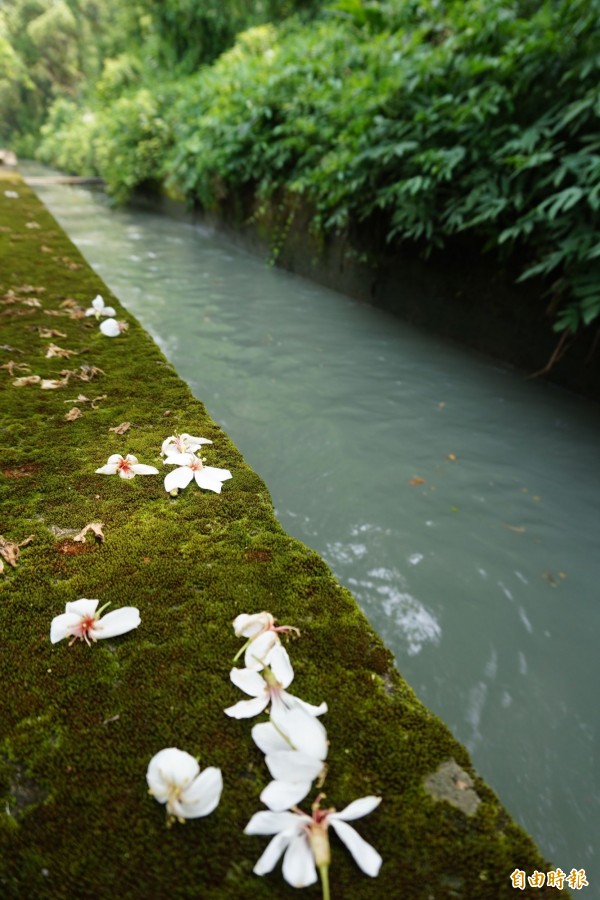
[[82, 629], [124, 466], [196, 465]]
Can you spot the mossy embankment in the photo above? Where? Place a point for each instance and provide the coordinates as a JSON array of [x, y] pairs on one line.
[[79, 725]]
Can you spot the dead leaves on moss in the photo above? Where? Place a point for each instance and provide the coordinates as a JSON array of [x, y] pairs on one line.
[[13, 367], [54, 350], [73, 414], [122, 428], [81, 398], [95, 528], [10, 551], [24, 380]]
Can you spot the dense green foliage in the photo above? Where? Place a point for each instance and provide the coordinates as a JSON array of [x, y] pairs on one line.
[[410, 121], [79, 724]]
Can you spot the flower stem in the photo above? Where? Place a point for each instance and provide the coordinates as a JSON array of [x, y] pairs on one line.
[[324, 873]]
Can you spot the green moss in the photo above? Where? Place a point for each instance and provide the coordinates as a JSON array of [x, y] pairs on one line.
[[80, 724]]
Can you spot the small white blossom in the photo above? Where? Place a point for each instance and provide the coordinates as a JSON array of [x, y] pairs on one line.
[[268, 687], [263, 643], [174, 778], [99, 308], [11, 194], [81, 620], [182, 443], [127, 467], [305, 842], [112, 328], [295, 744], [190, 466]]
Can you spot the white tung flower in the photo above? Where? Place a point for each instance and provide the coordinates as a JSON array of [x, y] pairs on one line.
[[127, 467], [81, 620], [268, 687], [305, 841], [99, 308], [182, 443], [112, 328], [263, 643], [174, 778], [295, 744], [190, 466]]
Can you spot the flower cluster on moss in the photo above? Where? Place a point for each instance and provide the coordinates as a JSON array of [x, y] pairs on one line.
[[295, 745]]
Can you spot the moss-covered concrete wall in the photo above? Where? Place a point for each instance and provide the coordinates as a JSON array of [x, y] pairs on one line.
[[79, 724]]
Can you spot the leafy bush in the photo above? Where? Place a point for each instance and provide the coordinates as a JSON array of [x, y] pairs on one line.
[[479, 118]]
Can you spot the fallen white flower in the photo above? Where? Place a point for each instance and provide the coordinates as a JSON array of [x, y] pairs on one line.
[[127, 467], [263, 643], [82, 620], [190, 466], [182, 443], [305, 841], [296, 746], [174, 778], [99, 308], [12, 194], [112, 328], [268, 687]]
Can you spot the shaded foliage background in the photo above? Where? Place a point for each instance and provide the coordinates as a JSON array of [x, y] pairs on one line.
[[426, 122]]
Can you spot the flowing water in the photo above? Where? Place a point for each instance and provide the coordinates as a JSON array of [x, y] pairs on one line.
[[458, 501]]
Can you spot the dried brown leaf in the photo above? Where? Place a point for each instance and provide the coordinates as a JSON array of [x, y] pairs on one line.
[[97, 400], [122, 428], [54, 350], [74, 413], [32, 225], [31, 301], [55, 312], [10, 550], [51, 384], [26, 379], [50, 332], [96, 528], [13, 366]]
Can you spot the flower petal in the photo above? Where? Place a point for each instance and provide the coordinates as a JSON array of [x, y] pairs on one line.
[[114, 459], [208, 479], [179, 459], [117, 622], [249, 681], [280, 665], [82, 607], [264, 822], [108, 311], [290, 701], [273, 851], [268, 738], [259, 649], [303, 731], [141, 469], [98, 303], [365, 856], [108, 469], [61, 625], [358, 808], [203, 794], [281, 795], [292, 765], [245, 709], [110, 328], [246, 625], [170, 767], [178, 478], [298, 863]]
